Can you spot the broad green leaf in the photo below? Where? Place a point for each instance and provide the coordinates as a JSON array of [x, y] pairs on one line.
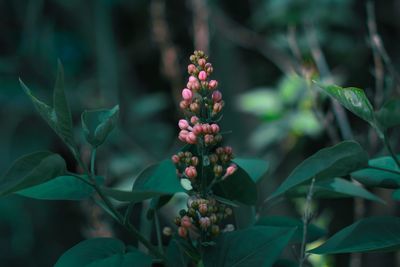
[[31, 170], [329, 162], [176, 254], [313, 232], [60, 188], [103, 252], [256, 168], [396, 195], [98, 124], [238, 187], [254, 246], [59, 116], [389, 115], [159, 178], [379, 178], [334, 188], [366, 235], [354, 99]]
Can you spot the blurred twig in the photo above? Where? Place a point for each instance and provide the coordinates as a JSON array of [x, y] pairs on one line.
[[324, 71], [200, 25], [247, 38], [169, 54]]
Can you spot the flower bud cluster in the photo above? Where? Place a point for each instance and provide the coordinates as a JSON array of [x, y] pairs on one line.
[[204, 162], [204, 215]]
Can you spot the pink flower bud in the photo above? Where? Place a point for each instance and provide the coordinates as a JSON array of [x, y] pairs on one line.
[[212, 84], [203, 208], [217, 107], [214, 128], [192, 79], [208, 139], [228, 150], [204, 222], [202, 75], [182, 232], [219, 150], [201, 62], [186, 222], [194, 107], [191, 172], [187, 94], [182, 135], [184, 104], [195, 86], [183, 124], [230, 170], [191, 69], [175, 159], [191, 138], [216, 96], [194, 120], [195, 161], [197, 129]]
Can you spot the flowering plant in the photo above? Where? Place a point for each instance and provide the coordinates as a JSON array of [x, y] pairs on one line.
[[217, 184]]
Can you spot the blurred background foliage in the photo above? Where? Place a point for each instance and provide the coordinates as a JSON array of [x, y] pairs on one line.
[[135, 53]]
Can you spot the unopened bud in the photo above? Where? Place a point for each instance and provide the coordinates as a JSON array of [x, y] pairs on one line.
[[203, 209], [184, 104], [175, 159], [202, 75], [194, 120], [204, 222], [182, 135], [183, 124], [216, 96], [192, 69], [212, 84], [194, 107], [182, 232], [208, 139], [187, 94], [195, 161], [231, 169], [191, 172], [201, 62], [191, 138], [186, 222], [214, 128], [167, 231]]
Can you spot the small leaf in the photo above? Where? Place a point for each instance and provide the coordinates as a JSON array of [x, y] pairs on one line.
[[313, 232], [366, 235], [160, 178], [388, 116], [329, 162], [379, 178], [31, 170], [59, 116], [97, 124], [103, 252], [354, 99], [60, 188], [334, 188], [238, 187], [256, 168], [254, 246]]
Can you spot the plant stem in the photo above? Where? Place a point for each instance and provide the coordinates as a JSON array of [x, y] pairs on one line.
[[158, 232], [389, 148], [383, 169], [306, 221], [120, 219]]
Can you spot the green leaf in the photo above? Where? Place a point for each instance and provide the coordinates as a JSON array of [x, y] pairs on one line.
[[98, 124], [329, 162], [31, 170], [59, 116], [396, 195], [313, 232], [379, 178], [255, 246], [334, 188], [366, 235], [60, 188], [238, 187], [256, 168], [354, 99], [176, 254], [159, 178], [103, 252], [389, 115]]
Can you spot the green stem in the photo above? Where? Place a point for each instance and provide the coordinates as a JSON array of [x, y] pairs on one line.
[[158, 231], [120, 219], [306, 222], [389, 148]]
